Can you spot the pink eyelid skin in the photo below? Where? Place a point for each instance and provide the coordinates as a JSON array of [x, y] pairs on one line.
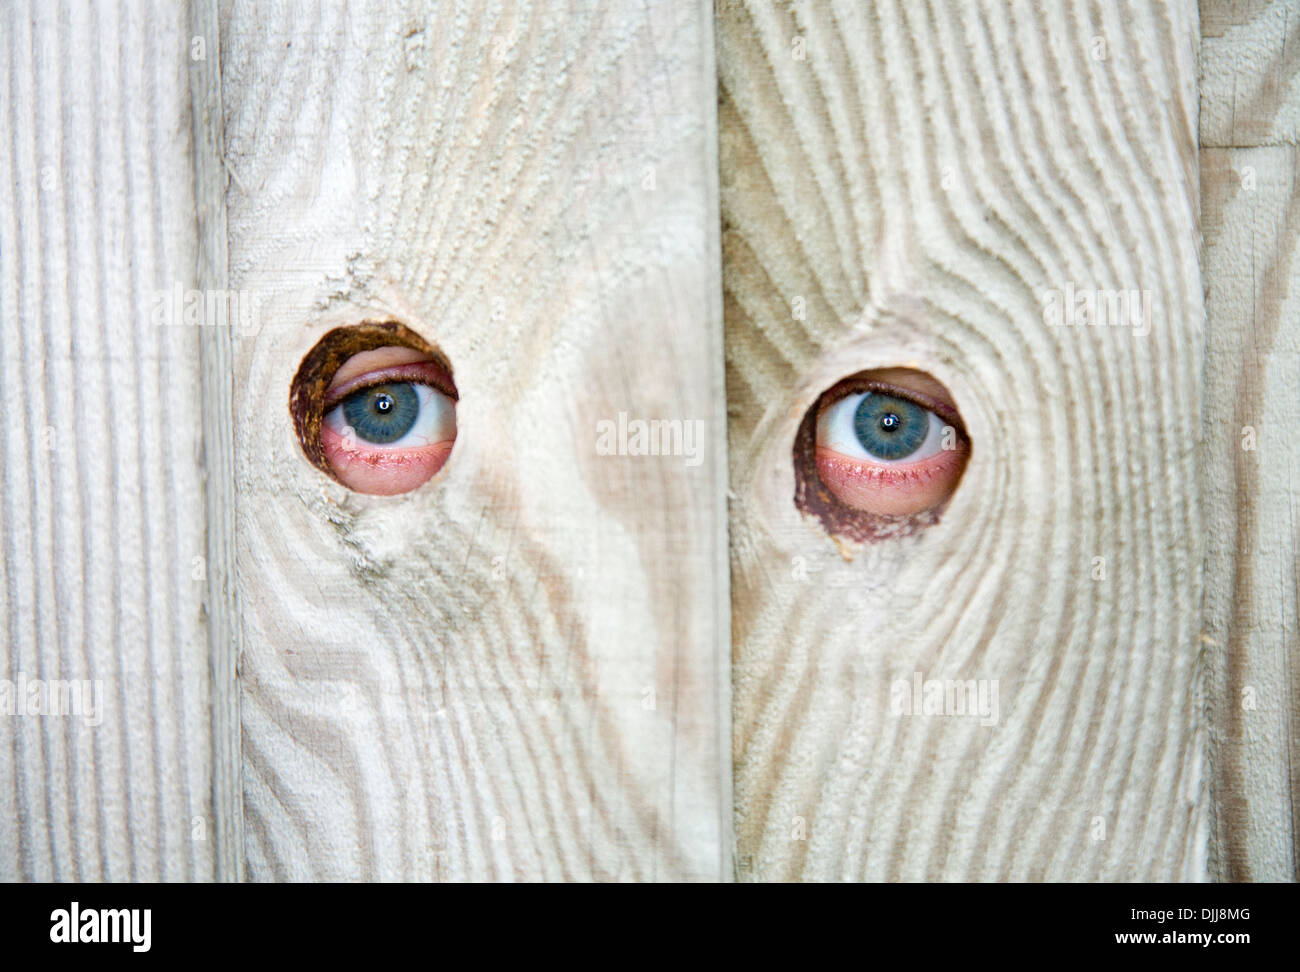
[[898, 489], [377, 469], [383, 472]]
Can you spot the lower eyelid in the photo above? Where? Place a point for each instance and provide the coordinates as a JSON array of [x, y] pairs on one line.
[[892, 475], [388, 473], [391, 458]]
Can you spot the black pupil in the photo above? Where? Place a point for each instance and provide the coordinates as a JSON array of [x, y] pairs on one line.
[[383, 403], [890, 421]]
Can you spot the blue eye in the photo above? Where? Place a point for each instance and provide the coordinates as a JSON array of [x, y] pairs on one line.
[[881, 428], [394, 415], [890, 428], [382, 413]]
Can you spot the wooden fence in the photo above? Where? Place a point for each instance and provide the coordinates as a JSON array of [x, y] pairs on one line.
[[554, 664]]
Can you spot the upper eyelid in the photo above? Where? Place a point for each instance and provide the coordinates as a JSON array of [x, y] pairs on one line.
[[853, 386], [424, 372]]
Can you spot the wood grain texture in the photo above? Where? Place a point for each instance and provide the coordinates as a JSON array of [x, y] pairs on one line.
[[216, 358], [103, 500], [923, 175], [1251, 221], [1250, 73], [519, 670]]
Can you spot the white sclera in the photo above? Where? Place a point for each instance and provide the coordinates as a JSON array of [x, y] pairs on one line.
[[436, 422], [835, 432]]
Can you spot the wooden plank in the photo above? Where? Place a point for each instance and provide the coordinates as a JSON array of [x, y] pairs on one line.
[[1252, 367], [216, 357], [1251, 221], [519, 670], [103, 502], [923, 177], [1250, 73]]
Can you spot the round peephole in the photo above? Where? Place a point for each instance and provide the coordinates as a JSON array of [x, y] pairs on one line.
[[879, 454], [374, 407]]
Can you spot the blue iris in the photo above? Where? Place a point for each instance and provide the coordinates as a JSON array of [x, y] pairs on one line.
[[382, 413], [890, 428]]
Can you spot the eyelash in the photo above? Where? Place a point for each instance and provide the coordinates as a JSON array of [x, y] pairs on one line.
[[858, 386], [416, 373]]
